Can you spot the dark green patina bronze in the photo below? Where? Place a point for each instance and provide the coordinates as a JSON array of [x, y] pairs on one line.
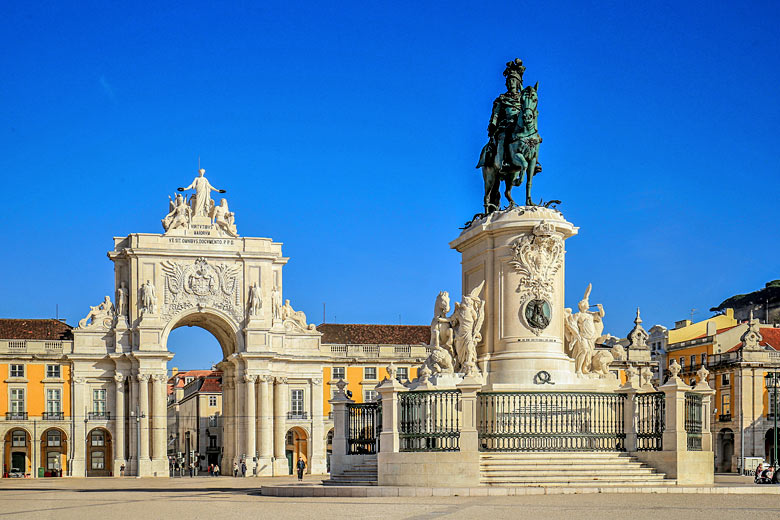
[[512, 152]]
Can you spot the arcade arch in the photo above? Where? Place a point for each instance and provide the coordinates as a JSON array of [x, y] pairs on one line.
[[99, 452], [297, 447], [53, 452], [17, 451]]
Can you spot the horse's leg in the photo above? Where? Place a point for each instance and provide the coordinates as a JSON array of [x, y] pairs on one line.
[[508, 185], [530, 174], [491, 188]]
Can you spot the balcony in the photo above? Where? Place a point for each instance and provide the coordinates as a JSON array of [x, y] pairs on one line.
[[53, 416], [15, 416], [726, 417], [297, 416], [99, 416]]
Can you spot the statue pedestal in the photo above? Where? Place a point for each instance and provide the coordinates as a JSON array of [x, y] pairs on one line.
[[520, 255]]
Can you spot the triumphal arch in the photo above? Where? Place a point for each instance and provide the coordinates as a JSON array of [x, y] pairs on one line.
[[198, 272]]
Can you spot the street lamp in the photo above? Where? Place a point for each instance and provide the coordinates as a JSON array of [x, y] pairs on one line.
[[137, 415], [772, 380]]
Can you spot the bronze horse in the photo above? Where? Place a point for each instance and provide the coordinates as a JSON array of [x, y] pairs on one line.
[[521, 156]]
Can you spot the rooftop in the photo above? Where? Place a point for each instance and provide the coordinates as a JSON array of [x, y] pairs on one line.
[[35, 329], [357, 334]]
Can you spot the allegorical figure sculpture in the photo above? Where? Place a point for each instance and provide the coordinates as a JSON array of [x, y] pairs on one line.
[[582, 331], [276, 303], [102, 314], [442, 357], [201, 202], [178, 213], [121, 299], [255, 299], [297, 319], [512, 151], [224, 218], [454, 339], [148, 298]]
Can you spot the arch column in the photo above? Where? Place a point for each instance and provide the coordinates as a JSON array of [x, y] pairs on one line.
[[250, 439], [119, 423], [280, 411], [265, 421], [317, 464], [159, 427], [144, 462], [228, 416], [78, 465]]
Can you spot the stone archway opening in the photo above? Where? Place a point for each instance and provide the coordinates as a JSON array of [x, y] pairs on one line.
[[200, 407], [297, 448], [18, 460], [53, 452], [99, 453], [769, 445], [725, 450]]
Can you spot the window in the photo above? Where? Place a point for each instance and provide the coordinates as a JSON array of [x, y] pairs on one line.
[[53, 400], [682, 362], [772, 403], [402, 374], [188, 380], [98, 460], [693, 360], [296, 403], [725, 404], [52, 460], [339, 373], [53, 438], [370, 396], [212, 441], [18, 438], [17, 370], [724, 380], [369, 373], [212, 400], [97, 438], [704, 359], [213, 420], [290, 438], [52, 371], [17, 400], [99, 401]]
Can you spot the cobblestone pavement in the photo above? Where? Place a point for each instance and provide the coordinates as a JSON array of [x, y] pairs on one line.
[[226, 497]]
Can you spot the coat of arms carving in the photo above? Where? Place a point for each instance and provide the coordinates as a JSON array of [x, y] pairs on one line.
[[201, 284], [537, 258]]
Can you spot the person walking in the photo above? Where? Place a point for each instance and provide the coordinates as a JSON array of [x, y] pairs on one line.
[[235, 469], [301, 465], [216, 470], [243, 468]]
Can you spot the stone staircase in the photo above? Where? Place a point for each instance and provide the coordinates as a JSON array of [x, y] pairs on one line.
[[362, 474], [576, 469]]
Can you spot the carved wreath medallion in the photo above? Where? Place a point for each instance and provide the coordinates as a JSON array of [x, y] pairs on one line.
[[537, 258], [202, 284]]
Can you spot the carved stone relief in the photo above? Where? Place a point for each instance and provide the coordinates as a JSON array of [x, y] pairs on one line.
[[202, 284], [537, 258]]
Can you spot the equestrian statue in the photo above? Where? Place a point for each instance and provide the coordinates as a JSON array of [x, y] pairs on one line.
[[512, 152]]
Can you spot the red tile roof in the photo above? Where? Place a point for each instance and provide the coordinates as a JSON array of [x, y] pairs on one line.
[[770, 335], [355, 334], [211, 384], [35, 329]]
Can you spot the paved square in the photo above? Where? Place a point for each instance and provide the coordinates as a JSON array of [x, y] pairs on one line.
[[211, 498]]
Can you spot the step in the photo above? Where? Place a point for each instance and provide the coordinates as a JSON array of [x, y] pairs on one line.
[[571, 471], [601, 484], [573, 464], [576, 479]]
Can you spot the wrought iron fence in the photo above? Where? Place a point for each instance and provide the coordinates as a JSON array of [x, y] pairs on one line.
[[693, 420], [551, 421], [650, 421], [364, 425], [430, 420]]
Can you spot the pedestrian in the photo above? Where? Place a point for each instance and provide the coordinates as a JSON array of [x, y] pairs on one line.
[[243, 468], [216, 470], [122, 470], [301, 465], [235, 469]]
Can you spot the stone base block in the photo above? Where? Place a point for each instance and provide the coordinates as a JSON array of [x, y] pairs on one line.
[[429, 469], [686, 467], [280, 467]]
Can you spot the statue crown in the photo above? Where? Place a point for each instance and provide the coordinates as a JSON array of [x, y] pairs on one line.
[[514, 69]]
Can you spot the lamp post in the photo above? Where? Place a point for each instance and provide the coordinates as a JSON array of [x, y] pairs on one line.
[[772, 380], [86, 442]]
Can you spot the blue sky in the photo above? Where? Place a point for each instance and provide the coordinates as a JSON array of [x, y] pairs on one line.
[[350, 131]]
